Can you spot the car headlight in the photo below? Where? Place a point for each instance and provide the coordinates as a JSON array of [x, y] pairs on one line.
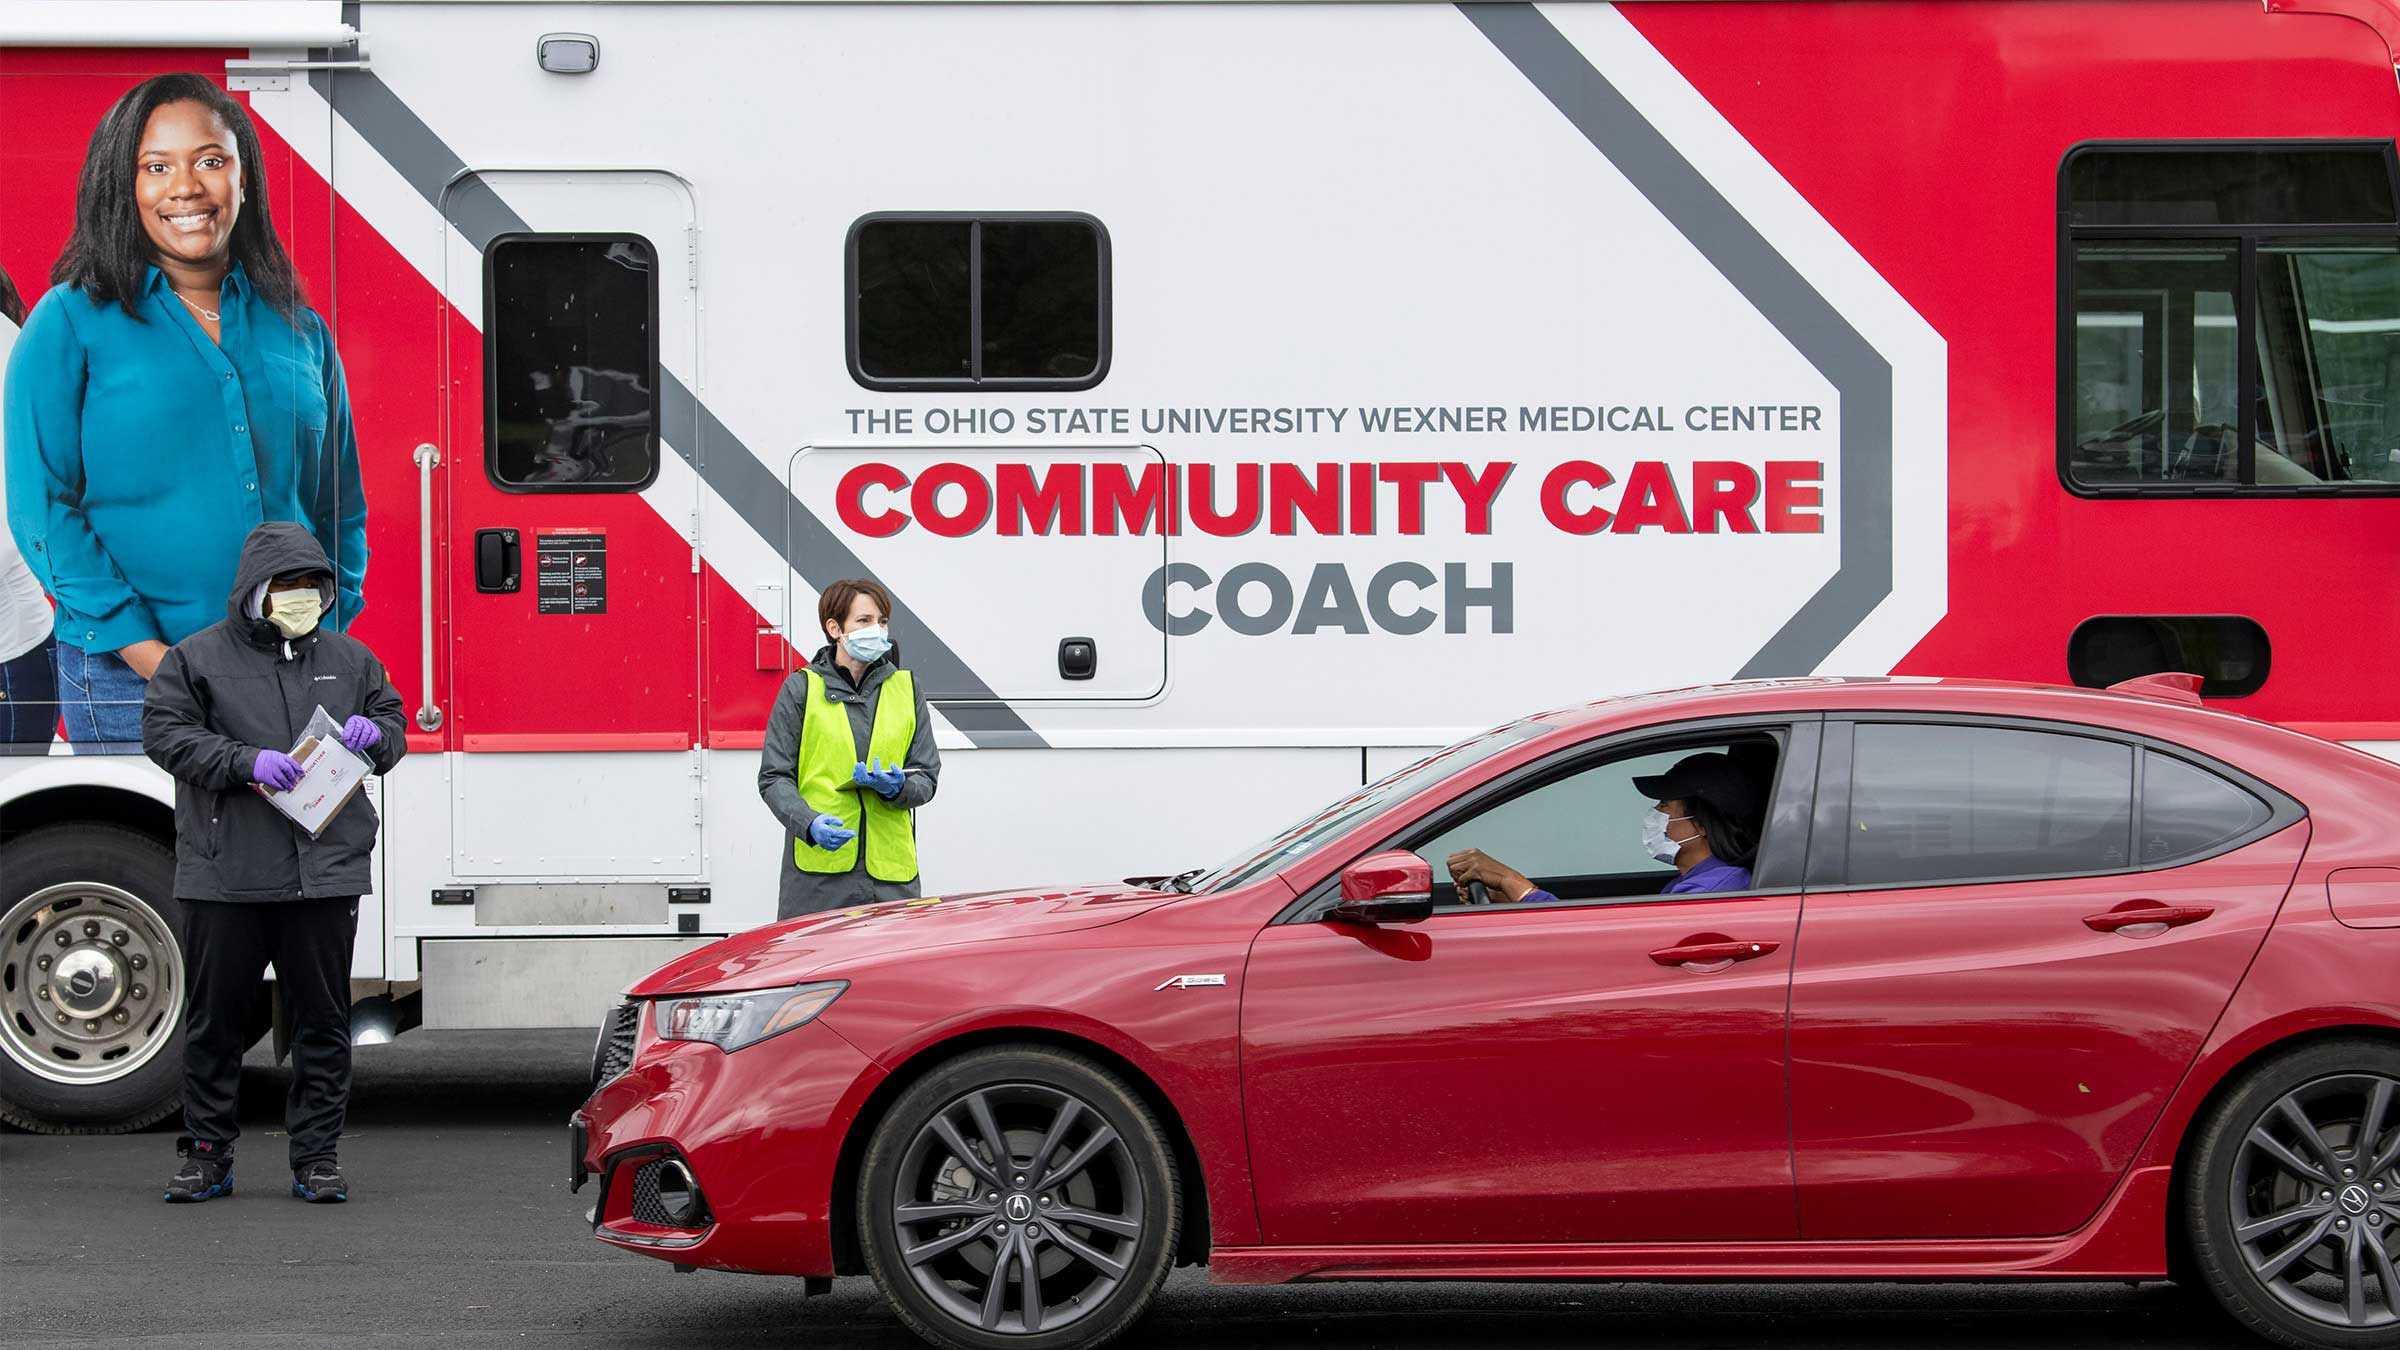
[[731, 1021]]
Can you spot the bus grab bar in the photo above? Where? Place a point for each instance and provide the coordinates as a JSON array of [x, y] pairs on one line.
[[429, 714]]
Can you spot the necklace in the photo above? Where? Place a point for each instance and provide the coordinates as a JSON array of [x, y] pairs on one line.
[[205, 313]]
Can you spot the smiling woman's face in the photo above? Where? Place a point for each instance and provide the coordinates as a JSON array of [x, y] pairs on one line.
[[187, 184]]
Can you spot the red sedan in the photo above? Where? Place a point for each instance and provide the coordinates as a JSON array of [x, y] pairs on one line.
[[1917, 980]]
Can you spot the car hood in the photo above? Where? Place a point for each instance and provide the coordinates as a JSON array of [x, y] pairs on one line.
[[794, 949]]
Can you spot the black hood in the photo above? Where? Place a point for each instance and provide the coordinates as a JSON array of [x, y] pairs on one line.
[[273, 550]]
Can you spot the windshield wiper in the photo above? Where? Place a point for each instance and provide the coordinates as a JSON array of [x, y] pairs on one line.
[[1182, 881]]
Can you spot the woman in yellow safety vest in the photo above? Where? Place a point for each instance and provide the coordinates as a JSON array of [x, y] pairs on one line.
[[848, 759]]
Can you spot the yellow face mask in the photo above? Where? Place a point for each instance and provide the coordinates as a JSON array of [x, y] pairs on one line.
[[295, 613]]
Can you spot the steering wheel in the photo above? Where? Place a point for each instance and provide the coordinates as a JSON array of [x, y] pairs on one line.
[[1475, 893]]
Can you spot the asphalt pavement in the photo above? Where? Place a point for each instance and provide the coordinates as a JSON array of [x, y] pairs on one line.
[[462, 1233]]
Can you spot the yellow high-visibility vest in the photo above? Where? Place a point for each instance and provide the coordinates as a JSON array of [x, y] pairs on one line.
[[887, 831]]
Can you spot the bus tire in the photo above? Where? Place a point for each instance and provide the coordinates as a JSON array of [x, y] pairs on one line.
[[92, 980]]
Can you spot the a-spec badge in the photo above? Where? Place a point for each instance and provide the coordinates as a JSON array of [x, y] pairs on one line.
[[1191, 982]]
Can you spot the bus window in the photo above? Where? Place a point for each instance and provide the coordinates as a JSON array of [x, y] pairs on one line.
[[2230, 318], [2155, 363], [2329, 363], [571, 363], [960, 301]]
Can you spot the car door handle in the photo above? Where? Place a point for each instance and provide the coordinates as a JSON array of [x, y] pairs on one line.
[[2140, 912], [1711, 952]]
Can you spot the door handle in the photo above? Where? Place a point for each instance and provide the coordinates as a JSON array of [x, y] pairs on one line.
[[1710, 952], [2140, 912], [499, 563]]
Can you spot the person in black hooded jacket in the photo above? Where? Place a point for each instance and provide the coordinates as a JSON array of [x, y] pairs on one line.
[[221, 714]]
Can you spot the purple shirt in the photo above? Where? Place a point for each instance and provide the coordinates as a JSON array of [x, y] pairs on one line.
[[1712, 874]]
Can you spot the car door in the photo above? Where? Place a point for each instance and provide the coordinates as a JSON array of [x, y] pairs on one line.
[[2016, 938], [1555, 1072]]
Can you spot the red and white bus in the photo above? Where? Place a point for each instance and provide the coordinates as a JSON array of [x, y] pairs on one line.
[[1239, 399]]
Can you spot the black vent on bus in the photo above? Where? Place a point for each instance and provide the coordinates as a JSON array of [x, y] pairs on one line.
[[2228, 652]]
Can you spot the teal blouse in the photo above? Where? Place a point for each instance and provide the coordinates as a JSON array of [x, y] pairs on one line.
[[140, 454]]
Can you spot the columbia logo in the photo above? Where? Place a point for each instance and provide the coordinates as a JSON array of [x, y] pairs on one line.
[[323, 678]]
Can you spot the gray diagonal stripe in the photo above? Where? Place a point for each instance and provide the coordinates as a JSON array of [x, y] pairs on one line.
[[734, 473], [1858, 373]]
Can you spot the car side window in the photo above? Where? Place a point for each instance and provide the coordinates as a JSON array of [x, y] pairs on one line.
[[2187, 811], [1580, 837], [1932, 804]]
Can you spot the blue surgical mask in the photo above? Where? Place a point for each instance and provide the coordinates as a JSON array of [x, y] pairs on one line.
[[867, 644]]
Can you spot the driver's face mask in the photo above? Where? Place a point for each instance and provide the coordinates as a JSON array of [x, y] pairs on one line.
[[1654, 835]]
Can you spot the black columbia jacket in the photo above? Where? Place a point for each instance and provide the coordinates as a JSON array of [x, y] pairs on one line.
[[238, 687]]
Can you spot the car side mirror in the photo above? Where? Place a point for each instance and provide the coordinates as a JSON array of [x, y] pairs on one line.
[[1390, 887]]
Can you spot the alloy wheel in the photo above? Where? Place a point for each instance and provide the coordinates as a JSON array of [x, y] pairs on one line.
[[91, 983], [2315, 1200], [1018, 1208]]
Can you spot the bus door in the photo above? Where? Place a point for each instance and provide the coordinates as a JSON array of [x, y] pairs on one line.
[[569, 569]]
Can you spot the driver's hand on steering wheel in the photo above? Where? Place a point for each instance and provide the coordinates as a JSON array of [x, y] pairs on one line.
[[1473, 864]]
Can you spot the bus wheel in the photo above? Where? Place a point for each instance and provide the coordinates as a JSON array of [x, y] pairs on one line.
[[91, 981]]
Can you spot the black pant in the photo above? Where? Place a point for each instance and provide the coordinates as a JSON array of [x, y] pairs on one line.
[[226, 950]]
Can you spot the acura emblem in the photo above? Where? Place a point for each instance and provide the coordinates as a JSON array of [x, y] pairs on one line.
[[2355, 1199], [1018, 1208]]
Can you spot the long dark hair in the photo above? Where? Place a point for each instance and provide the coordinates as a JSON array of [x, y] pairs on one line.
[[110, 252], [1735, 841], [12, 305]]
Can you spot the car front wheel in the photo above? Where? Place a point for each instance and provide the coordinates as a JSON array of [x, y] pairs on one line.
[[2293, 1203], [1019, 1197]]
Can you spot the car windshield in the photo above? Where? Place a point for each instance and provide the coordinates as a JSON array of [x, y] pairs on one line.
[[1311, 833]]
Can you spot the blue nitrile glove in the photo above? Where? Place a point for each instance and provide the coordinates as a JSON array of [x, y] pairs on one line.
[[885, 779], [826, 832], [276, 770], [361, 734]]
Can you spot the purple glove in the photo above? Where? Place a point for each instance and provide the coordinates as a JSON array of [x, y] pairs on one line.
[[360, 734], [276, 770]]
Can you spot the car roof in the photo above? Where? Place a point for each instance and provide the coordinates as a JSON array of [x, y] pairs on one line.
[[2132, 712]]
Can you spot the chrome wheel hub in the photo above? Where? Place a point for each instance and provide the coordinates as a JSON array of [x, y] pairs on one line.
[[91, 983]]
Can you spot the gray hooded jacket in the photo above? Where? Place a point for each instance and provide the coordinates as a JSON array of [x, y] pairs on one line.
[[801, 892], [237, 687]]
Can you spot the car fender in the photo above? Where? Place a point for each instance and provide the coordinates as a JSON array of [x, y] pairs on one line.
[[1114, 989]]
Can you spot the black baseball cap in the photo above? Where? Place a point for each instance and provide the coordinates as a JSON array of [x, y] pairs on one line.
[[1711, 776]]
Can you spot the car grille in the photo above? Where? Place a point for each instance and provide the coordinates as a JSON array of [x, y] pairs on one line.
[[615, 1052]]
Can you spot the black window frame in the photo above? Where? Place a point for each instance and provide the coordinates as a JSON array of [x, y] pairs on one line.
[[1783, 840], [491, 362], [1829, 849], [2246, 238], [975, 382]]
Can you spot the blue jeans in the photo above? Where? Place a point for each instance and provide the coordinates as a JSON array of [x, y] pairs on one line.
[[29, 698], [101, 700]]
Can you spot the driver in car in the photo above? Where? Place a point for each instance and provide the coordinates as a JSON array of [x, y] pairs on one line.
[[1706, 821]]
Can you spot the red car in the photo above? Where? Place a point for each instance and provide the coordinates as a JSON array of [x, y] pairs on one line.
[[2025, 983]]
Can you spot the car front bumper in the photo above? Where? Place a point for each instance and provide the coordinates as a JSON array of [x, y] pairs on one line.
[[759, 1129]]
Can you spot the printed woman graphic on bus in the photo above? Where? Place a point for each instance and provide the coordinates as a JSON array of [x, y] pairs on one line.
[[169, 393]]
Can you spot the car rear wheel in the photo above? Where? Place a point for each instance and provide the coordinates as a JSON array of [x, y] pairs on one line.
[[1019, 1197], [2294, 1199], [91, 981]]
